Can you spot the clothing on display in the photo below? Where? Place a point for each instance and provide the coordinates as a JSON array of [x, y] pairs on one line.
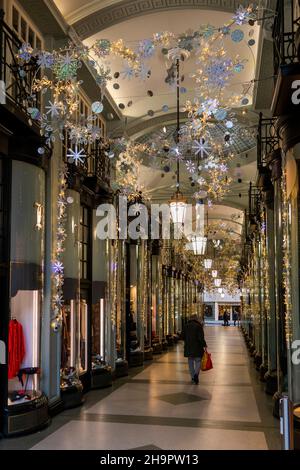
[[16, 348]]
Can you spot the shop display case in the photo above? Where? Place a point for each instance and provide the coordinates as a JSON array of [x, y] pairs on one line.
[[26, 408], [72, 349], [135, 330], [100, 368], [121, 365]]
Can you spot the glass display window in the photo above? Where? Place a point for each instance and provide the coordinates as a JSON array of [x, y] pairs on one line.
[[24, 347], [208, 312], [98, 331], [82, 337], [68, 349], [121, 304], [222, 309]]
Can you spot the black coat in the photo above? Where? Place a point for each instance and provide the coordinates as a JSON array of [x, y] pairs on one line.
[[194, 342]]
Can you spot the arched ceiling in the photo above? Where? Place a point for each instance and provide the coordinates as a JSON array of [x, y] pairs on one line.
[[135, 92], [134, 20], [91, 16]]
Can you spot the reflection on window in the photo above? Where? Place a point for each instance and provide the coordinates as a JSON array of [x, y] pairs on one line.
[[82, 337], [84, 243]]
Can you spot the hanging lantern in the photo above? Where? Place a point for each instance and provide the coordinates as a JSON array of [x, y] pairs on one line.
[[207, 263], [178, 208], [214, 273], [216, 243], [218, 282], [199, 245], [223, 295], [220, 290]]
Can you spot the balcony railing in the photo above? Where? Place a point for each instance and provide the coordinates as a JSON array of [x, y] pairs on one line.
[[254, 200], [286, 24], [17, 82], [267, 140], [95, 163]]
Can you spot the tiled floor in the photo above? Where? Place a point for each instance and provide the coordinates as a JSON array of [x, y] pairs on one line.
[[158, 407]]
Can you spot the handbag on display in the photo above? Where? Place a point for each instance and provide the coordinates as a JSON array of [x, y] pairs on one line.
[[206, 362]]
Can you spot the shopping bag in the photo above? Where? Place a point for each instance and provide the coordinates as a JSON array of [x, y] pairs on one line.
[[206, 362]]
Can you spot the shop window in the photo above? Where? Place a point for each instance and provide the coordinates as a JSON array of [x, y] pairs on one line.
[[68, 350], [15, 19], [31, 36], [208, 312], [222, 309], [82, 336], [85, 240], [24, 28]]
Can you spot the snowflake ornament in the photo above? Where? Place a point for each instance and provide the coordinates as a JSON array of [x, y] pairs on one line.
[[190, 166], [76, 156], [128, 72], [54, 109], [57, 267], [46, 60], [243, 15], [201, 148], [208, 107], [146, 48]]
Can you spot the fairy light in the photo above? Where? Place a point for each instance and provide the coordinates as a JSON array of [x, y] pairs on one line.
[[57, 264], [286, 261]]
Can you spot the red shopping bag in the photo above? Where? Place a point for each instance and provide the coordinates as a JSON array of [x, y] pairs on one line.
[[206, 362]]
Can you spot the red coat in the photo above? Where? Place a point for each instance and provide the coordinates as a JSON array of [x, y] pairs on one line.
[[16, 348]]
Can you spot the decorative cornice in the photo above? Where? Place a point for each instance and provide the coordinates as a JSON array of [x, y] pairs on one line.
[[128, 9]]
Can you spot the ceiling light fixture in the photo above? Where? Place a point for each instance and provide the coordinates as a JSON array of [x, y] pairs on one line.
[[178, 203], [199, 245], [208, 263]]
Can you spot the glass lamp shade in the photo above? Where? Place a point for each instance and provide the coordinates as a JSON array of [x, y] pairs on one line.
[[214, 273], [199, 245], [178, 208], [218, 282], [207, 263], [222, 295], [220, 290]]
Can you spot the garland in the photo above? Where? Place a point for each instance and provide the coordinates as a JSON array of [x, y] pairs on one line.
[[286, 273], [57, 263]]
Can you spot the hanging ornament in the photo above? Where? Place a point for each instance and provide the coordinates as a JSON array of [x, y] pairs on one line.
[[237, 35], [97, 107]]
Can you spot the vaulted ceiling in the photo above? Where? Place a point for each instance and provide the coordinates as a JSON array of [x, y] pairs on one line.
[[142, 102]]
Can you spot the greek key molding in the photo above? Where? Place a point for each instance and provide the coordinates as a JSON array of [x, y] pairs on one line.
[[128, 9]]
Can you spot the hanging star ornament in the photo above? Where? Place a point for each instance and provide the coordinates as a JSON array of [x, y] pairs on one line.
[[54, 109], [201, 148], [76, 156]]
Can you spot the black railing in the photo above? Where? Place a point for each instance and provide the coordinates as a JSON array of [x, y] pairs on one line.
[[254, 205], [99, 164], [17, 81], [267, 140], [93, 163], [285, 28]]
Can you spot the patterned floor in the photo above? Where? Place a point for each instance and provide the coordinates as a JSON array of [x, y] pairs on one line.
[[159, 408]]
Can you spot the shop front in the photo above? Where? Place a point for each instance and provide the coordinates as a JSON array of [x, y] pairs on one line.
[[25, 405]]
